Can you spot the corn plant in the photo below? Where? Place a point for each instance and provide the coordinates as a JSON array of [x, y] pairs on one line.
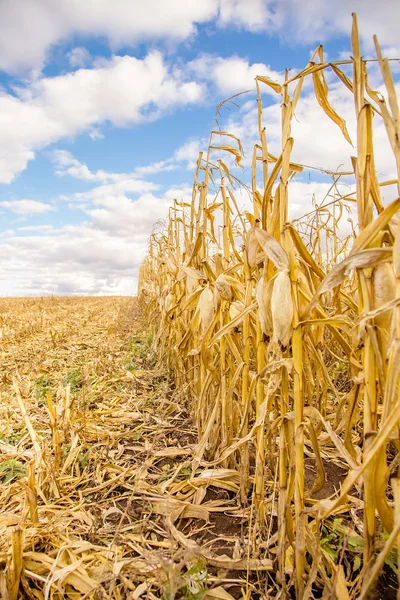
[[286, 335]]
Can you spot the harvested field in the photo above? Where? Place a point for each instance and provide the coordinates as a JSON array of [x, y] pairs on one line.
[[99, 494]]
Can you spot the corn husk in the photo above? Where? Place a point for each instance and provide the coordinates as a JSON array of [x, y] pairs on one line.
[[263, 296], [224, 288], [252, 247], [206, 307], [282, 308]]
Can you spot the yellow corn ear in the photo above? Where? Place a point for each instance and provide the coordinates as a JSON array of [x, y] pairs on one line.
[[235, 308], [169, 301], [224, 288], [282, 308], [169, 262], [206, 307], [384, 289], [191, 285], [263, 297], [252, 247], [396, 253], [216, 299]]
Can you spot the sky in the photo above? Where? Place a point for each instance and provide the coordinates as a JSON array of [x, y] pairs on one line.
[[105, 104]]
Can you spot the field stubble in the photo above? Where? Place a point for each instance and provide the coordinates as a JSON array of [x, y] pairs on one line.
[[99, 495]]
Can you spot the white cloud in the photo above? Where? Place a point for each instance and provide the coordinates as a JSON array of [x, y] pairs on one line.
[[255, 15], [95, 134], [323, 19], [120, 215], [37, 228], [29, 28], [232, 75], [124, 91], [314, 22], [319, 142], [79, 57], [81, 259], [303, 194], [23, 208], [100, 256], [7, 233], [125, 185], [13, 157], [189, 152], [114, 183], [157, 167], [67, 164], [393, 52]]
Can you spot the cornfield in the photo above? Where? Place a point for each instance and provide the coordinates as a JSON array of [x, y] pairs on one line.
[[285, 337]]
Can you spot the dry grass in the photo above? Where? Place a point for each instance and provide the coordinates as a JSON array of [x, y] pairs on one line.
[[287, 338]]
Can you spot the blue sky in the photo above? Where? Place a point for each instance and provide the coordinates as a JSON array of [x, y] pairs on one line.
[[104, 105]]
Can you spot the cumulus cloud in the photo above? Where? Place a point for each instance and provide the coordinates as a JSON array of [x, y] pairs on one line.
[[318, 21], [102, 254], [120, 215], [113, 183], [67, 164], [81, 259], [123, 91], [324, 20], [23, 208], [37, 228], [189, 152], [124, 185], [254, 15], [157, 167], [99, 256], [79, 57], [121, 22], [231, 75], [29, 28], [95, 134]]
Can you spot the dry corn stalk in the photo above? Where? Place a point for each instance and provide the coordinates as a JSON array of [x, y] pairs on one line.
[[300, 354]]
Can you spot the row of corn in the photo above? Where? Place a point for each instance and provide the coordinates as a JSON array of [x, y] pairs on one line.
[[288, 343]]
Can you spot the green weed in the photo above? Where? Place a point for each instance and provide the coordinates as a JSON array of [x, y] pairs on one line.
[[44, 386], [11, 469], [74, 379]]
